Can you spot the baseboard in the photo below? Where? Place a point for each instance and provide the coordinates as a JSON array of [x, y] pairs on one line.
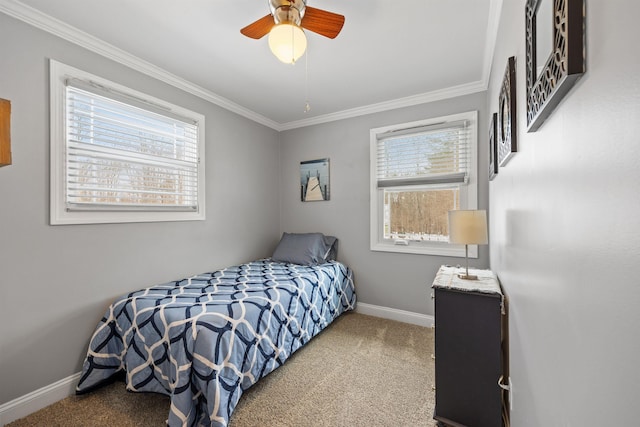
[[45, 396], [395, 314], [38, 399]]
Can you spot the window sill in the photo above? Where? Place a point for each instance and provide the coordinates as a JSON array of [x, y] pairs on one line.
[[443, 249], [63, 217]]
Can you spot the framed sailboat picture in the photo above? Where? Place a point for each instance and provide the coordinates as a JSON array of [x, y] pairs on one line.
[[314, 180]]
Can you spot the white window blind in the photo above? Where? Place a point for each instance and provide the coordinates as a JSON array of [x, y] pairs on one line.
[[433, 154], [126, 154]]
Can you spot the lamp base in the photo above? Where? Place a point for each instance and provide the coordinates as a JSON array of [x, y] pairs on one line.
[[466, 275]]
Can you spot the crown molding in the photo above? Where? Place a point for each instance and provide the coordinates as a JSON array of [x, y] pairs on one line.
[[495, 10], [423, 98], [34, 17]]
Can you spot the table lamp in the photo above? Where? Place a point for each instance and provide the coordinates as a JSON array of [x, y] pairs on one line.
[[468, 227]]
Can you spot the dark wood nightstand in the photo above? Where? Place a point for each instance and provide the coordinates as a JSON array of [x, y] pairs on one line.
[[470, 318]]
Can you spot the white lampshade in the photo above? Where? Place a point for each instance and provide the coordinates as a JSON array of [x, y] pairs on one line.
[[468, 227], [287, 42]]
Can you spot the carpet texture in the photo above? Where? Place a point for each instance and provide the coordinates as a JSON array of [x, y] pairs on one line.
[[360, 371]]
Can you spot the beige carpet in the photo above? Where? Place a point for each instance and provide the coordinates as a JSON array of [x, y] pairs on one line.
[[361, 371]]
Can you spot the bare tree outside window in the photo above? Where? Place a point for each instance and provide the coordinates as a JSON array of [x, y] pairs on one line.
[[419, 215]]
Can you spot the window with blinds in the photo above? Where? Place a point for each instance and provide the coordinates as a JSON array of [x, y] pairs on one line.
[[122, 156], [425, 155], [126, 157], [420, 171]]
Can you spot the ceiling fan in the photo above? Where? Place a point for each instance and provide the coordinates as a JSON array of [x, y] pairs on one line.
[[285, 23]]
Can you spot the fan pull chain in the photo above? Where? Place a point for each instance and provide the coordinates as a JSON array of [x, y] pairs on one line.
[[307, 107], [293, 47]]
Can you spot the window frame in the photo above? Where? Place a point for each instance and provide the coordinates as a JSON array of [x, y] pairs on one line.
[[59, 73], [468, 191]]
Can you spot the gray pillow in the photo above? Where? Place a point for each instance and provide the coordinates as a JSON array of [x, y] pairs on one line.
[[332, 244], [304, 248]]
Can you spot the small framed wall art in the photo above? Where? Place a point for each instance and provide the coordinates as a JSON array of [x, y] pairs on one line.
[[314, 180], [493, 147], [507, 119]]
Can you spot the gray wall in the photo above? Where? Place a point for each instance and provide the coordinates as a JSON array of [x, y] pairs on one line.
[[565, 232], [56, 281], [399, 281], [564, 237]]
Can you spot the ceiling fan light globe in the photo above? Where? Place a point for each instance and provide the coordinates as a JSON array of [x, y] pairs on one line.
[[287, 42]]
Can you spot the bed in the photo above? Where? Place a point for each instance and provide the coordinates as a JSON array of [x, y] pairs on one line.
[[205, 339]]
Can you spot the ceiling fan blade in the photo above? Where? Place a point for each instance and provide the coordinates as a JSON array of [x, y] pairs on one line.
[[322, 22], [260, 28]]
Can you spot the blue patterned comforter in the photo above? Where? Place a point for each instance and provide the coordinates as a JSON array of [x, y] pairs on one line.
[[206, 339]]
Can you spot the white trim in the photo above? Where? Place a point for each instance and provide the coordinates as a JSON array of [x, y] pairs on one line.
[[45, 396], [495, 10], [446, 249], [59, 73], [65, 31], [34, 17], [395, 314], [409, 101], [468, 193], [36, 400]]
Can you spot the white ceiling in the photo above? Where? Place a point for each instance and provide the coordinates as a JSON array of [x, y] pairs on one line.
[[389, 53]]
